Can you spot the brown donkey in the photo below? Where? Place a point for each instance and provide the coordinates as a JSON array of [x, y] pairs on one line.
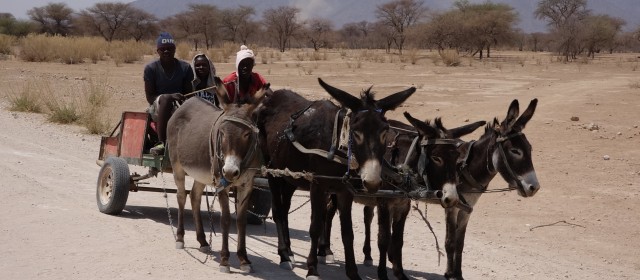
[[439, 148], [215, 147], [288, 119], [504, 149]]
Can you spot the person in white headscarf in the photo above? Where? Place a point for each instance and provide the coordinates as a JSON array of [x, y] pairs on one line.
[[243, 82], [203, 72]]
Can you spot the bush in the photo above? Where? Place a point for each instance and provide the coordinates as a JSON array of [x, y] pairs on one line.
[[450, 57], [127, 51], [25, 100], [6, 43], [37, 48]]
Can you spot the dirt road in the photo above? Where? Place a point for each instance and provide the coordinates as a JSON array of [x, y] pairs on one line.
[[51, 228]]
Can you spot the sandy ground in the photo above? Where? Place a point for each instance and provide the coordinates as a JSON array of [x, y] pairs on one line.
[[52, 229]]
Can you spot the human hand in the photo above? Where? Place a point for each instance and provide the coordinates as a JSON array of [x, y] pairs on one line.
[[177, 97]]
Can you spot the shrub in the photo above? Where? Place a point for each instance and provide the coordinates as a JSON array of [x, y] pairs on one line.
[[6, 43], [126, 51], [37, 48], [25, 100], [450, 57]]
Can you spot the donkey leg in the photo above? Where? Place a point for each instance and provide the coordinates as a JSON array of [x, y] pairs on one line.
[[400, 213], [225, 220], [384, 235], [463, 220], [279, 211], [196, 199], [366, 249], [325, 255], [181, 195], [243, 199], [450, 243], [345, 202], [318, 213]]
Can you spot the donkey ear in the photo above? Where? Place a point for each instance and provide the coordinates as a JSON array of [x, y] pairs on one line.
[[464, 130], [256, 99], [343, 97], [526, 115], [423, 128], [393, 101], [512, 115], [221, 92]]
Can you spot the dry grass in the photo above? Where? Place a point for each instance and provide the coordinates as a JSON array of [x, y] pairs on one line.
[[67, 105], [450, 57], [183, 51], [68, 50], [25, 99], [6, 44], [127, 51], [634, 85]]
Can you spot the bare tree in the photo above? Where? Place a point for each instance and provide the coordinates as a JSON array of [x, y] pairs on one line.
[[205, 17], [54, 18], [565, 18], [235, 21], [182, 25], [108, 19], [399, 15], [444, 31], [318, 31], [143, 25], [282, 22]]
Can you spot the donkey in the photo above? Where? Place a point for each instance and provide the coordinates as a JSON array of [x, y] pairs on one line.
[[392, 212], [504, 149], [215, 147], [287, 120]]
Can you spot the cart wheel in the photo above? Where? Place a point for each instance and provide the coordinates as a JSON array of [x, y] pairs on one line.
[[260, 204], [113, 186]]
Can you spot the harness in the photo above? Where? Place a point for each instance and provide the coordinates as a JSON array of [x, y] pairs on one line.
[[214, 147], [466, 175]]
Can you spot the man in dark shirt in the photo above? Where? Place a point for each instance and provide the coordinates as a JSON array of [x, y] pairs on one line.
[[166, 80]]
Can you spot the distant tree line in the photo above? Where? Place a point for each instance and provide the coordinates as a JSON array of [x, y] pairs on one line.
[[471, 29]]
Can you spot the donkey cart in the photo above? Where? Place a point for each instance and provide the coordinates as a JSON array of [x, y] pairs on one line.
[[130, 146]]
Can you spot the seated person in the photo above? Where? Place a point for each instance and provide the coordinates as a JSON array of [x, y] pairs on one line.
[[243, 82], [166, 80], [204, 71]]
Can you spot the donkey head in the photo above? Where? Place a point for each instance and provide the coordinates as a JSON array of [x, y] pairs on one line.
[[512, 155], [439, 156], [237, 135], [368, 129]]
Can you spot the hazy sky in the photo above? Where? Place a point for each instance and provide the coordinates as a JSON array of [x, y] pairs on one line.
[[19, 8]]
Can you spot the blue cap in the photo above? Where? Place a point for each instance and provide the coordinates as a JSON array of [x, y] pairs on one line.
[[165, 39]]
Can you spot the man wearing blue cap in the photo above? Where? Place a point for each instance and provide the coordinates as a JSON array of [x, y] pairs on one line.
[[166, 80]]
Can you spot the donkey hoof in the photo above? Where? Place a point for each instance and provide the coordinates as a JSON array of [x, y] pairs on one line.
[[246, 268], [313, 277], [225, 269], [286, 265], [368, 263], [328, 259], [179, 245], [205, 249]]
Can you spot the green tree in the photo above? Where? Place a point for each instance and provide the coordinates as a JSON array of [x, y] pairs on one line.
[[600, 32], [54, 18]]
